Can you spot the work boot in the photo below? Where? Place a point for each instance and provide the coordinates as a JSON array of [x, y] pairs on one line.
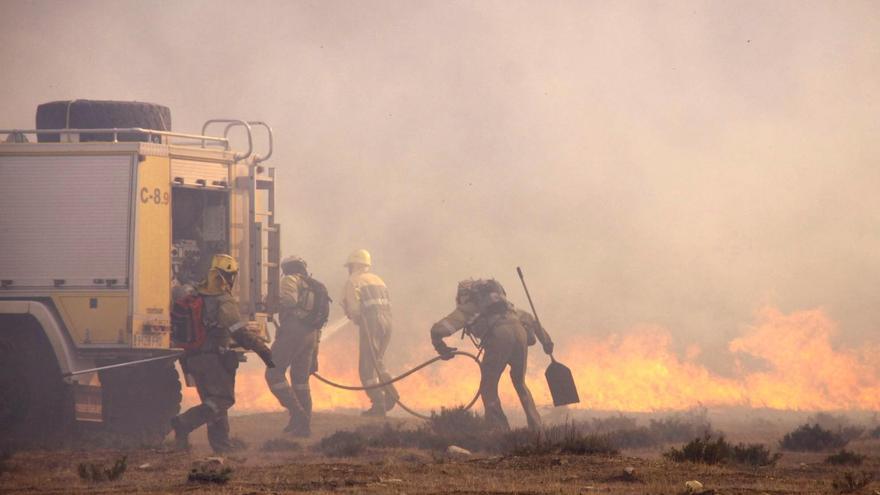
[[181, 434], [377, 411]]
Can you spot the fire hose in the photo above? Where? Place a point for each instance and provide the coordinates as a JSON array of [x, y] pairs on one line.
[[401, 377]]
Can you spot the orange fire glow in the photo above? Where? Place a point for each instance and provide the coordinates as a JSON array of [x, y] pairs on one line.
[[798, 369]]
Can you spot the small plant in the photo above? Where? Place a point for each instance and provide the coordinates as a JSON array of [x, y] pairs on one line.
[[281, 445], [206, 474], [850, 482], [812, 438], [754, 454], [343, 444], [703, 450], [706, 450], [559, 439], [97, 472], [875, 433], [845, 458]]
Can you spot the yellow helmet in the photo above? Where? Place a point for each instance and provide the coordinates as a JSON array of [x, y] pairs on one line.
[[221, 275], [224, 263], [359, 257]]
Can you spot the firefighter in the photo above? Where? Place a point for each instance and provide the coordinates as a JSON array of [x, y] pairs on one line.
[[504, 333], [303, 313], [366, 302], [213, 365]]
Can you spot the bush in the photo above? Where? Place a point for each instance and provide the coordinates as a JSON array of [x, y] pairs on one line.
[[807, 438], [850, 482], [705, 450], [560, 439], [623, 431], [343, 444], [209, 475], [97, 472], [875, 433], [754, 454], [837, 423], [845, 458]]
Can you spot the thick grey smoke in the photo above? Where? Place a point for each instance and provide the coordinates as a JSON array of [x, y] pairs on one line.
[[678, 164]]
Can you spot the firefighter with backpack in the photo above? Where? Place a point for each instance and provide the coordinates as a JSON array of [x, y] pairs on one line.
[[305, 306], [205, 322], [504, 333]]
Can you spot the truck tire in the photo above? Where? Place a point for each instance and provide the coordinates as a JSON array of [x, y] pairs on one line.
[[139, 402], [97, 114], [36, 407]]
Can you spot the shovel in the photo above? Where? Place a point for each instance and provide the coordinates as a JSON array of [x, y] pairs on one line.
[[559, 379], [561, 384]]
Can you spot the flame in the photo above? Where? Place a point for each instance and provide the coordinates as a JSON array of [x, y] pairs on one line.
[[798, 368]]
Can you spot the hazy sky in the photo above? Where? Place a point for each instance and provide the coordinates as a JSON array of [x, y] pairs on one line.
[[672, 163]]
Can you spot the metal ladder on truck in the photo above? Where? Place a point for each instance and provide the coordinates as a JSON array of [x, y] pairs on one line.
[[264, 237]]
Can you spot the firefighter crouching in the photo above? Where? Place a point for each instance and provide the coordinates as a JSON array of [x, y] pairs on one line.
[[210, 362], [304, 311], [366, 302], [504, 333]]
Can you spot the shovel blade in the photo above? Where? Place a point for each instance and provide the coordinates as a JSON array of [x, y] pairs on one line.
[[561, 384]]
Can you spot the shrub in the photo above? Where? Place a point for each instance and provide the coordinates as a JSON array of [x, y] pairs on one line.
[[705, 450], [97, 472], [845, 458], [875, 433], [754, 454], [807, 438], [208, 475], [559, 439], [623, 431], [850, 482], [343, 444]]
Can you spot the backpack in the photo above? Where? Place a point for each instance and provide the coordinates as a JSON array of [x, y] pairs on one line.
[[187, 326], [317, 315]]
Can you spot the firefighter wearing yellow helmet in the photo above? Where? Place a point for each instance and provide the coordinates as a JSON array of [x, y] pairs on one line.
[[366, 301], [213, 365], [504, 333]]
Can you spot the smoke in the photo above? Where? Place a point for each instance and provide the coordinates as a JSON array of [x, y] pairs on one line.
[[676, 165]]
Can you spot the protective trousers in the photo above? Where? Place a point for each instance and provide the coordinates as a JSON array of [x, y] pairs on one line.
[[506, 345], [294, 348], [375, 335], [214, 375]]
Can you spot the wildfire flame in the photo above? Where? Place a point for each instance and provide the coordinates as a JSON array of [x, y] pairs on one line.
[[799, 369]]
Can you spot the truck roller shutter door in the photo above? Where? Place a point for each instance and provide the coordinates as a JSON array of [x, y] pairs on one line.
[[65, 218]]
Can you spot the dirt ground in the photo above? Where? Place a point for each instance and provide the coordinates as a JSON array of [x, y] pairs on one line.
[[406, 471]]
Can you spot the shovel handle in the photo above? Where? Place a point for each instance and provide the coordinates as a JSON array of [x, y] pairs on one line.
[[529, 297]]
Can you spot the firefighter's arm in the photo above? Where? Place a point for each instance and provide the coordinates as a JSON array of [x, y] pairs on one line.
[[444, 328], [350, 302], [541, 334], [238, 329]]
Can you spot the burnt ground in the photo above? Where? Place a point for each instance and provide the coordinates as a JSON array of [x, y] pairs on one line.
[[401, 471]]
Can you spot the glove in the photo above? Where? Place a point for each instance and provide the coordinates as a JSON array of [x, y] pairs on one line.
[[548, 347], [266, 355], [444, 350]]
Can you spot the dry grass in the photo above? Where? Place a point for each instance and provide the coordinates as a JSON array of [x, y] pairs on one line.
[[406, 470]]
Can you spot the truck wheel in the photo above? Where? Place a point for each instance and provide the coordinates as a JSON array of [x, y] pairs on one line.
[[36, 407], [96, 114], [140, 400]]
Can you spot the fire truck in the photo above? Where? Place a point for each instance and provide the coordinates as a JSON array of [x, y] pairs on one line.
[[104, 210]]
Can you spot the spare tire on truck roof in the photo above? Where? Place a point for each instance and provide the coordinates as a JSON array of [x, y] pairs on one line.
[[100, 114]]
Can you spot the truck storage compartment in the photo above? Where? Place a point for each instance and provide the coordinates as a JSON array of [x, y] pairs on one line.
[[65, 220], [199, 220]]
